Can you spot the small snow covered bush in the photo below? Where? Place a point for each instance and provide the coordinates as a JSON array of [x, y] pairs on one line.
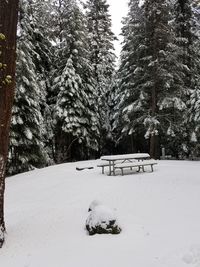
[[101, 220]]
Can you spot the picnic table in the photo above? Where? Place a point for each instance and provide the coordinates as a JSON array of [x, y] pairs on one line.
[[112, 159]]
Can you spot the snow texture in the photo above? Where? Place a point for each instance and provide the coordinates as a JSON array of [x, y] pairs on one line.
[[93, 204], [45, 212], [125, 156]]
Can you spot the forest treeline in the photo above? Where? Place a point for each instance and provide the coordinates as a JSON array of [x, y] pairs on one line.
[[74, 101]]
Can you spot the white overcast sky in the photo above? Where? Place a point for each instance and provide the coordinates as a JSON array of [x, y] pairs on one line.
[[118, 9]]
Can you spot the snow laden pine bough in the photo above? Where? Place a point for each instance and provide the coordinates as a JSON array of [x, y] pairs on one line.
[[101, 220]]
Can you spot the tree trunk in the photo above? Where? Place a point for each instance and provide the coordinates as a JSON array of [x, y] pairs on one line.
[[154, 146], [8, 27]]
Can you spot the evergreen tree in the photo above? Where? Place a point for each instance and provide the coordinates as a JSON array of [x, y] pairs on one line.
[[152, 77], [27, 129], [131, 97], [192, 44], [102, 57], [41, 11], [75, 118], [165, 74]]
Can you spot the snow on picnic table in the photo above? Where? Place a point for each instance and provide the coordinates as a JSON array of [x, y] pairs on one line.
[[159, 213], [126, 156]]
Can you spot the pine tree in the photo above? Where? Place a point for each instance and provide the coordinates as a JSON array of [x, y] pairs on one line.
[[27, 129], [150, 75], [192, 47], [131, 97], [76, 123], [165, 74], [102, 55], [41, 12]]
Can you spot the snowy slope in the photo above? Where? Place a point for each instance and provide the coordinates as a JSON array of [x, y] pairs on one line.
[[159, 213]]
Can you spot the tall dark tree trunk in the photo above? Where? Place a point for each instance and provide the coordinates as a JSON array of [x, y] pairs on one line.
[[8, 27]]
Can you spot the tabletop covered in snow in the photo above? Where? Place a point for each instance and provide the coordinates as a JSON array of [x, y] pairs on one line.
[[126, 156]]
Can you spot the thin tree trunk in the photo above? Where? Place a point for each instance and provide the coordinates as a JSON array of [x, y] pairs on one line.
[[8, 27], [154, 136], [153, 139]]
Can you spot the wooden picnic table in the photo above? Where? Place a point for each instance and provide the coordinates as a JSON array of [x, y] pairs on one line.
[[124, 157]]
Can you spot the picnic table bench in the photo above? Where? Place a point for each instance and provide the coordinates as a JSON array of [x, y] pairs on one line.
[[102, 166], [139, 165], [116, 161]]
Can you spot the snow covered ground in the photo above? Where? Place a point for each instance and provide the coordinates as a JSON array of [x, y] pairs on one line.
[[159, 213]]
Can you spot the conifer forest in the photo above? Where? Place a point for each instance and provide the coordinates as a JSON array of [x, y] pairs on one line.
[[75, 100]]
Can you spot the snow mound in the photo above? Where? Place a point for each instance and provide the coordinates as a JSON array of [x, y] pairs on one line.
[[93, 204], [193, 256], [102, 220]]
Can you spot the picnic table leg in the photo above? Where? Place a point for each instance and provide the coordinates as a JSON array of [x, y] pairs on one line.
[[110, 168], [138, 166], [102, 169], [143, 168], [152, 168], [113, 166]]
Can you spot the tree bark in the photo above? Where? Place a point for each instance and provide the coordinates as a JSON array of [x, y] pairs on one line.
[[8, 28]]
